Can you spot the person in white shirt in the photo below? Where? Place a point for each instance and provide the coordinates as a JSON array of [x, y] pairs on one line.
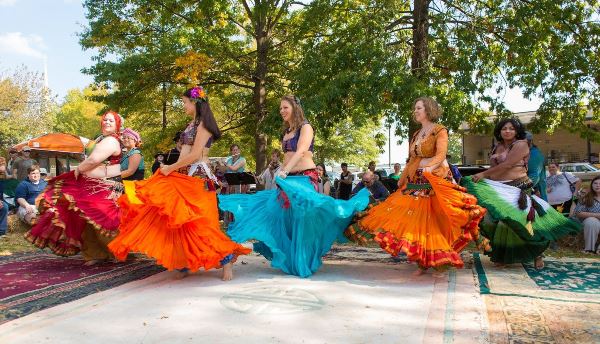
[[267, 178], [562, 187]]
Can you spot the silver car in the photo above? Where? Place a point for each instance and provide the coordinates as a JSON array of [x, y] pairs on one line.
[[582, 170]]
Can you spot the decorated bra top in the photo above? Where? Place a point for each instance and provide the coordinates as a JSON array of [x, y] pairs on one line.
[[498, 158], [422, 143], [111, 160], [291, 144], [189, 135]]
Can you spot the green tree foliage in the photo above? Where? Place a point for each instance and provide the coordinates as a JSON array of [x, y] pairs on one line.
[[346, 143], [26, 106], [367, 55], [78, 114]]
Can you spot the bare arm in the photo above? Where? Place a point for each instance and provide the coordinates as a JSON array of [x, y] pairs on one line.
[[513, 157], [134, 163], [306, 136], [202, 136], [584, 215], [109, 146], [327, 187], [239, 164]]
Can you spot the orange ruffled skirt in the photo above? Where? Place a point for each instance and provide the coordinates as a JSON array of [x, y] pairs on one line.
[[175, 220], [430, 224]]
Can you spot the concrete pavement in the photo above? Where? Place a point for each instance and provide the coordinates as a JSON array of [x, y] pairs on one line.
[[345, 302]]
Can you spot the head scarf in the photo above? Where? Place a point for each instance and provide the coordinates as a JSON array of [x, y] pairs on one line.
[[132, 133]]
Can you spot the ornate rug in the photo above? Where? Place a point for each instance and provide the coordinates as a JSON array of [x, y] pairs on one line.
[[573, 276], [35, 281], [566, 279], [559, 304]]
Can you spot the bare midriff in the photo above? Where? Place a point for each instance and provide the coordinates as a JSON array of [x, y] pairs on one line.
[[305, 163]]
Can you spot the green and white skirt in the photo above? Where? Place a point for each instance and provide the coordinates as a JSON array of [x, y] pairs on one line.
[[519, 226]]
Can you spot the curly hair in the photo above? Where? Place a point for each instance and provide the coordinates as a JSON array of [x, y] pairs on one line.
[[516, 124], [297, 113]]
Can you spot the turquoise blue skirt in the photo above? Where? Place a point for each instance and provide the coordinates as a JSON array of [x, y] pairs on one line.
[[294, 224]]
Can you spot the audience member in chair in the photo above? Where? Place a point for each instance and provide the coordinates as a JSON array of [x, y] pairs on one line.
[[376, 188], [26, 193]]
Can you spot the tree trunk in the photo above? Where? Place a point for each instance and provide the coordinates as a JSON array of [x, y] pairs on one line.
[[164, 107], [260, 98], [420, 51]]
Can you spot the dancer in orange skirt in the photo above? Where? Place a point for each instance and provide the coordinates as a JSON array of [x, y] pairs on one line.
[[173, 216], [430, 218]]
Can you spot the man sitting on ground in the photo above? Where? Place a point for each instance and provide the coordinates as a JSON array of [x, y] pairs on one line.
[[26, 193]]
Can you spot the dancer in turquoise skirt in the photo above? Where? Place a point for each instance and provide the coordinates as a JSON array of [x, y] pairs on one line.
[[294, 224]]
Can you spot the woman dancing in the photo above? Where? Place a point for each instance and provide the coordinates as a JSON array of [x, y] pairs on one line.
[[173, 216], [295, 225], [79, 211], [519, 225], [429, 218]]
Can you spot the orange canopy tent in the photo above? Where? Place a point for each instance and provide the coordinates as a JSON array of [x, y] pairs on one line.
[[56, 151], [56, 142]]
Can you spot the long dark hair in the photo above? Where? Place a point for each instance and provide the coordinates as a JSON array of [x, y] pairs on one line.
[[518, 128], [204, 115], [588, 199]]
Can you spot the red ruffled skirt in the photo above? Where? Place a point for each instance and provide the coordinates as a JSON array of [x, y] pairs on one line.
[[68, 205], [175, 220], [431, 222]]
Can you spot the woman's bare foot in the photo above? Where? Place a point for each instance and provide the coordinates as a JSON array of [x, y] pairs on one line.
[[539, 263], [228, 272], [181, 274], [419, 272], [92, 262]]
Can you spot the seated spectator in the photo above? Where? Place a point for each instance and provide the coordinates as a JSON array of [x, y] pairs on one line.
[[323, 184], [372, 167], [26, 193], [561, 188], [396, 175], [588, 210], [378, 191], [267, 178], [43, 174]]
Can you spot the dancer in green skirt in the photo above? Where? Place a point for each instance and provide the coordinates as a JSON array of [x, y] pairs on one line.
[[519, 225]]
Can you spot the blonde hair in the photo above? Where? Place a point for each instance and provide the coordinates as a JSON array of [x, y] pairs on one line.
[[432, 108], [297, 113]]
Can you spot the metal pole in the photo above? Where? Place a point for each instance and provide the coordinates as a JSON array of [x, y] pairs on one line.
[[390, 145]]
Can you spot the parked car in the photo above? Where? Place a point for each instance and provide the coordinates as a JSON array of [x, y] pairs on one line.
[[469, 170], [582, 170]]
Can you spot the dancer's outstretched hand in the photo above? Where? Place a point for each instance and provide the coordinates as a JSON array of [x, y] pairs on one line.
[[282, 173], [477, 177]]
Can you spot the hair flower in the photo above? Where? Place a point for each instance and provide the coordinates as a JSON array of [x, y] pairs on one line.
[[198, 94]]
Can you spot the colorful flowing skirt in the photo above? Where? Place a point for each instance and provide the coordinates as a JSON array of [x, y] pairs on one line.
[[295, 225], [431, 221], [518, 226], [68, 205], [175, 220]]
